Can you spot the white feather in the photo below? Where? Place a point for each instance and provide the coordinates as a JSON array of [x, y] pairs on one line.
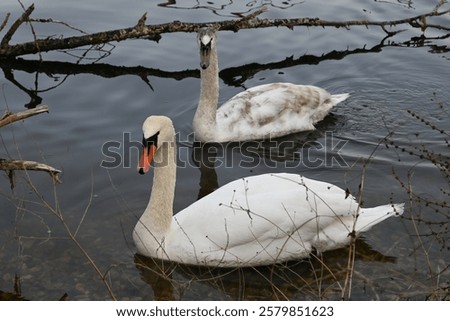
[[256, 220]]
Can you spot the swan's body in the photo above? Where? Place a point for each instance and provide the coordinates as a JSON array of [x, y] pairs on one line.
[[261, 112], [256, 220]]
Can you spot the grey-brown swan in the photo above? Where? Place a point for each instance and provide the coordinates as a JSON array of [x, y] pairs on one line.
[[261, 112]]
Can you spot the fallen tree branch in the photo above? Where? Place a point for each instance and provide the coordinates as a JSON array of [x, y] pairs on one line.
[[140, 30], [9, 117], [232, 76], [12, 165]]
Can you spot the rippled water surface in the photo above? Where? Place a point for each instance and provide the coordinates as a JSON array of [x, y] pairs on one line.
[[392, 133]]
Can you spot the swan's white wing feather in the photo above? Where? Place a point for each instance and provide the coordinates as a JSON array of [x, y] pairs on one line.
[[247, 222]]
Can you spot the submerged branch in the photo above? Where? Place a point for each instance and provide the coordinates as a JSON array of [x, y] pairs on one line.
[[9, 117], [153, 32]]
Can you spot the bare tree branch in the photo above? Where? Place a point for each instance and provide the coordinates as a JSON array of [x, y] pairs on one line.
[[25, 16], [5, 21], [140, 30], [232, 76], [12, 165], [9, 117]]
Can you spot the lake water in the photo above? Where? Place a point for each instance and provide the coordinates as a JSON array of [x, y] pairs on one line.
[[105, 96]]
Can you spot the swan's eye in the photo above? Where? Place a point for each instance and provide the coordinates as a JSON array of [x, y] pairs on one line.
[[152, 140]]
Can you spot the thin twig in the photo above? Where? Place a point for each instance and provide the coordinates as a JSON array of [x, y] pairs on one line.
[[9, 117], [56, 210], [24, 17], [50, 20], [86, 210], [347, 288]]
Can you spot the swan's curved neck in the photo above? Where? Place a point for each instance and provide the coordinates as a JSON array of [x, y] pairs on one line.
[[157, 216], [205, 116]]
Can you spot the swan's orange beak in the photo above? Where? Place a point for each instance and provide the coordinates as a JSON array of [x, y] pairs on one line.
[[146, 159]]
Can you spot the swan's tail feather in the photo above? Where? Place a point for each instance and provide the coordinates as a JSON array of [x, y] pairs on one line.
[[368, 217], [336, 99]]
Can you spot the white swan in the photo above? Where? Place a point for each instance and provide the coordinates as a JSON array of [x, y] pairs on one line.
[[265, 111], [256, 220]]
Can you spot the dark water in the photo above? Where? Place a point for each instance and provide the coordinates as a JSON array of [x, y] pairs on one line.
[[94, 101]]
